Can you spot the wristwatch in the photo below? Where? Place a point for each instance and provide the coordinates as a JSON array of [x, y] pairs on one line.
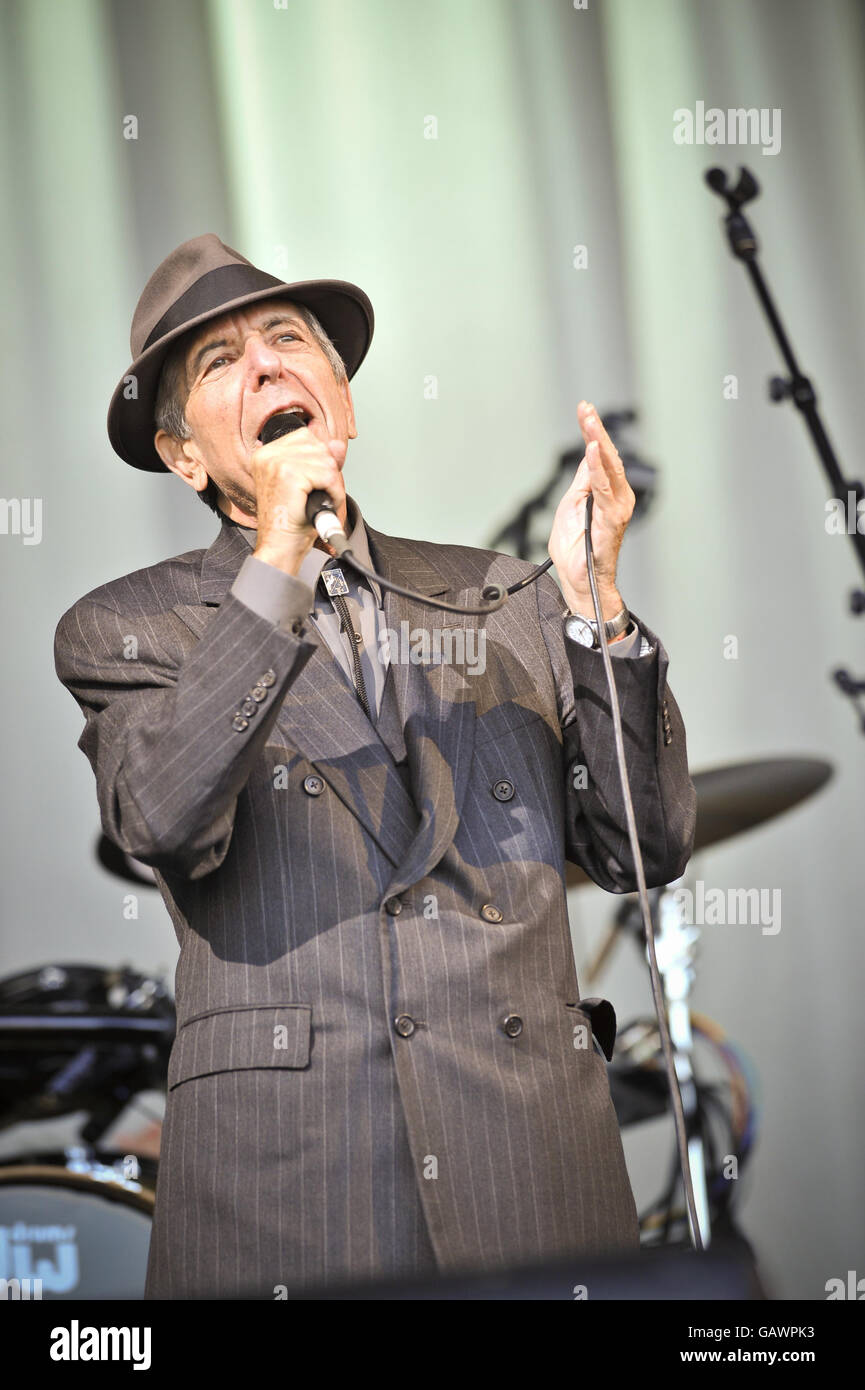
[[585, 630]]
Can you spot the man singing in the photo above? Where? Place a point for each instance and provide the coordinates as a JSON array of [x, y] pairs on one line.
[[383, 1066]]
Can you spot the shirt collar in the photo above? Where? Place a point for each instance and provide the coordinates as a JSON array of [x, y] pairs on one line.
[[315, 560]]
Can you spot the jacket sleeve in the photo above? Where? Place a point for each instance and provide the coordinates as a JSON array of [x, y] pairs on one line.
[[663, 795], [165, 733]]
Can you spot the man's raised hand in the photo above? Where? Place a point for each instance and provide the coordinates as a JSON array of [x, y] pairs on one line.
[[602, 473]]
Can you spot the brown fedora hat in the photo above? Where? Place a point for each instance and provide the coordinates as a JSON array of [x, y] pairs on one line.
[[201, 280]]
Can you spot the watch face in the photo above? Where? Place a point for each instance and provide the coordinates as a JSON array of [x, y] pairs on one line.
[[581, 630]]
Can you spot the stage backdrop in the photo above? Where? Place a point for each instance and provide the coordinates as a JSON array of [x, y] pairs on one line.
[[504, 181]]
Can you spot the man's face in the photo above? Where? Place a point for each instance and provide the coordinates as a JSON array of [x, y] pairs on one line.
[[241, 369]]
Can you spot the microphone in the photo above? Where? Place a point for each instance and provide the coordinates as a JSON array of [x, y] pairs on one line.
[[320, 511]]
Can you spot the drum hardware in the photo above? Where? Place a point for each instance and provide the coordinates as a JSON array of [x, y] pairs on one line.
[[77, 1038], [80, 1038], [645, 1095], [87, 1166], [675, 946], [73, 1233], [125, 1170], [730, 800], [724, 1118], [132, 1171]]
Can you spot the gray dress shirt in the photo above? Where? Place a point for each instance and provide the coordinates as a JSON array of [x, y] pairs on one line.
[[285, 598]]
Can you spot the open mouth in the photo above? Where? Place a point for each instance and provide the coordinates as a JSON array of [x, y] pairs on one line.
[[300, 411]]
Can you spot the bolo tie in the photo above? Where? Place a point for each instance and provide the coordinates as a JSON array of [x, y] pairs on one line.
[[336, 587]]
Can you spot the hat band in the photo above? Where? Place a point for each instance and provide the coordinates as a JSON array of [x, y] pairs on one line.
[[211, 291]]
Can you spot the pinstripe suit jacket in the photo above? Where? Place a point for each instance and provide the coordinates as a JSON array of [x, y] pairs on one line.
[[307, 1136]]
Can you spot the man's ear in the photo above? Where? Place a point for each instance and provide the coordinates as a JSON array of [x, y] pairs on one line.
[[176, 456]]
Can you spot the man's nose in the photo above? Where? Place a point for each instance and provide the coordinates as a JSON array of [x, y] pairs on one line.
[[262, 363]]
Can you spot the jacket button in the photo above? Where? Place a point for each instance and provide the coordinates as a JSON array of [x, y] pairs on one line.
[[404, 1025], [513, 1025], [491, 914], [249, 707], [393, 906], [238, 723], [503, 790], [268, 679], [313, 786], [258, 693], [668, 738]]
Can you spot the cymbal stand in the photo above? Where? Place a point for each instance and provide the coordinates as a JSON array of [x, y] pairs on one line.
[[675, 948]]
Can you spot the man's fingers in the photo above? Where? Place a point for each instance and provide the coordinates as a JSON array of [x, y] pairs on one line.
[[580, 481], [599, 474], [286, 475], [593, 429], [591, 476], [300, 457]]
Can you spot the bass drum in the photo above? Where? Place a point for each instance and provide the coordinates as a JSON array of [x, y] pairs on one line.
[[82, 1238]]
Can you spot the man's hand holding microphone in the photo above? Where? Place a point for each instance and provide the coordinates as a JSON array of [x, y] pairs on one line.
[[285, 471]]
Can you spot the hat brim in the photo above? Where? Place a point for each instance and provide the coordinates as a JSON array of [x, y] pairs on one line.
[[343, 310]]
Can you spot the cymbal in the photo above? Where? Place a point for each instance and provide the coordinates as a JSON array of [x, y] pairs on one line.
[[740, 796]]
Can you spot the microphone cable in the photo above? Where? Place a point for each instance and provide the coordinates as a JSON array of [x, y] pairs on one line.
[[496, 594], [645, 909]]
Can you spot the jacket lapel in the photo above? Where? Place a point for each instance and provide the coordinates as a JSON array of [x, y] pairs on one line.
[[323, 720], [435, 705]]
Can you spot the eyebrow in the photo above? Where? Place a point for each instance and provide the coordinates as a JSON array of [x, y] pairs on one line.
[[203, 351], [296, 322]]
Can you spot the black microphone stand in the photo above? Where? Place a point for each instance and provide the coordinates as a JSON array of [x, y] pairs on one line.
[[796, 387]]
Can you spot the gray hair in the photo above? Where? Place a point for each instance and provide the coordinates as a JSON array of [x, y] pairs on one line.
[[173, 390]]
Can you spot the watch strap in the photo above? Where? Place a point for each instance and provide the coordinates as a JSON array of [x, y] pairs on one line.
[[614, 627]]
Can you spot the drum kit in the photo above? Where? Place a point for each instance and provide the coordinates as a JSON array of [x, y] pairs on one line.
[[79, 1040], [720, 1117]]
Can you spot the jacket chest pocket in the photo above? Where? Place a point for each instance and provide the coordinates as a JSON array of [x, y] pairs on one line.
[[241, 1037], [518, 757]]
